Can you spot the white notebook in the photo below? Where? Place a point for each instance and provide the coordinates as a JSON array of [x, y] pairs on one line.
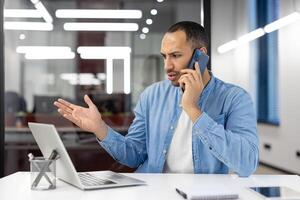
[[207, 192]]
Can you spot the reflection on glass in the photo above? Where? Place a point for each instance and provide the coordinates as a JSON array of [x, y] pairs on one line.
[[71, 48], [277, 192]]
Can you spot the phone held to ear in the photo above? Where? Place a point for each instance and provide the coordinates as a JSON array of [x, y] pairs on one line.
[[201, 58]]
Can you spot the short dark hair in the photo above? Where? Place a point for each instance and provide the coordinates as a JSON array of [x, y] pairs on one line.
[[195, 33]]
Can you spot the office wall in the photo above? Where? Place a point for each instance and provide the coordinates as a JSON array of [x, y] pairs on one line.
[[230, 19], [285, 139]]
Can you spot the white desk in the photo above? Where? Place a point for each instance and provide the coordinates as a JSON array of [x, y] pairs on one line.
[[159, 186]]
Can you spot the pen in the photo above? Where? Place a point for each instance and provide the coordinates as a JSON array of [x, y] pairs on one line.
[[181, 193]]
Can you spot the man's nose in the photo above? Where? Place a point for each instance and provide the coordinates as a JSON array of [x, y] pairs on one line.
[[168, 64]]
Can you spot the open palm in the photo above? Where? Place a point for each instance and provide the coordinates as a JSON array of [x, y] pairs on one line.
[[89, 119]]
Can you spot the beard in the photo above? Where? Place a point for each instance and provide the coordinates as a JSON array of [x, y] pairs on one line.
[[175, 83], [173, 76]]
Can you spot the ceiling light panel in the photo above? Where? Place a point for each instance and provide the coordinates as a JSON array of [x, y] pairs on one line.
[[81, 26], [282, 22], [98, 13], [42, 10], [104, 52], [46, 52]]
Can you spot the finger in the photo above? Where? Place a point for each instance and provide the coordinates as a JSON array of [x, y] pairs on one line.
[[185, 71], [68, 116], [191, 72], [199, 72], [181, 84], [88, 101], [180, 81], [196, 73], [190, 76], [197, 67], [188, 80], [63, 107], [62, 112], [66, 103], [184, 82], [71, 118]]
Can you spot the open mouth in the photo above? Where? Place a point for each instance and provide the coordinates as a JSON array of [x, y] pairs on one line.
[[172, 76]]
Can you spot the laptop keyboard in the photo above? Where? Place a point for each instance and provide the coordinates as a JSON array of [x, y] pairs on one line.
[[90, 180]]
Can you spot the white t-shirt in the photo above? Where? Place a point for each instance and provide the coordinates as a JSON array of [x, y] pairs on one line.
[[179, 157]]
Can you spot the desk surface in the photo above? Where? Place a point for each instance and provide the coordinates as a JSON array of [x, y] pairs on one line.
[[159, 186]]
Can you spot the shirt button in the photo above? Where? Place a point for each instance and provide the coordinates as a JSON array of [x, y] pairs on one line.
[[171, 127], [210, 148], [164, 151]]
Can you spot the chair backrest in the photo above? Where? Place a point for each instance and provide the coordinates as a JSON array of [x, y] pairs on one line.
[[14, 102], [44, 104]]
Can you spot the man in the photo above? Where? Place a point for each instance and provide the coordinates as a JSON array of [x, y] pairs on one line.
[[208, 128]]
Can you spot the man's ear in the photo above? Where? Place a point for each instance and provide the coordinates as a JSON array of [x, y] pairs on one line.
[[203, 49]]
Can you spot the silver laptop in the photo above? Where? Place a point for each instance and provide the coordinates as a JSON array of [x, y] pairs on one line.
[[48, 140]]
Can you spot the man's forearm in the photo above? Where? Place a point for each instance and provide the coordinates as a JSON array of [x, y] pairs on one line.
[[193, 112]]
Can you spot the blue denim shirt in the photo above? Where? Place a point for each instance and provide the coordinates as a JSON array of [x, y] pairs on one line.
[[224, 137]]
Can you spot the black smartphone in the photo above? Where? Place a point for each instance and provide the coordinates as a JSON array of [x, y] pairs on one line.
[[201, 58]]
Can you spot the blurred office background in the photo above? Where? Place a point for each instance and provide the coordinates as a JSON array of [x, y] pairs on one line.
[[51, 53]]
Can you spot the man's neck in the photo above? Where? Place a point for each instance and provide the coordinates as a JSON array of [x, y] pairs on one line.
[[206, 78]]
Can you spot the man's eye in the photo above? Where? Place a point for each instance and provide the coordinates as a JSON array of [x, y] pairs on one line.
[[176, 55]]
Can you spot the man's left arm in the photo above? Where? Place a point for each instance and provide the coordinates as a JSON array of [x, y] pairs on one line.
[[236, 142]]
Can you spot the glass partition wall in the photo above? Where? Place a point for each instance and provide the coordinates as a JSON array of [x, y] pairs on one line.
[[109, 50], [1, 93]]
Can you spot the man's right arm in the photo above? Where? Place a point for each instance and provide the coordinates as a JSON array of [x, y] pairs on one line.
[[129, 150], [88, 119]]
